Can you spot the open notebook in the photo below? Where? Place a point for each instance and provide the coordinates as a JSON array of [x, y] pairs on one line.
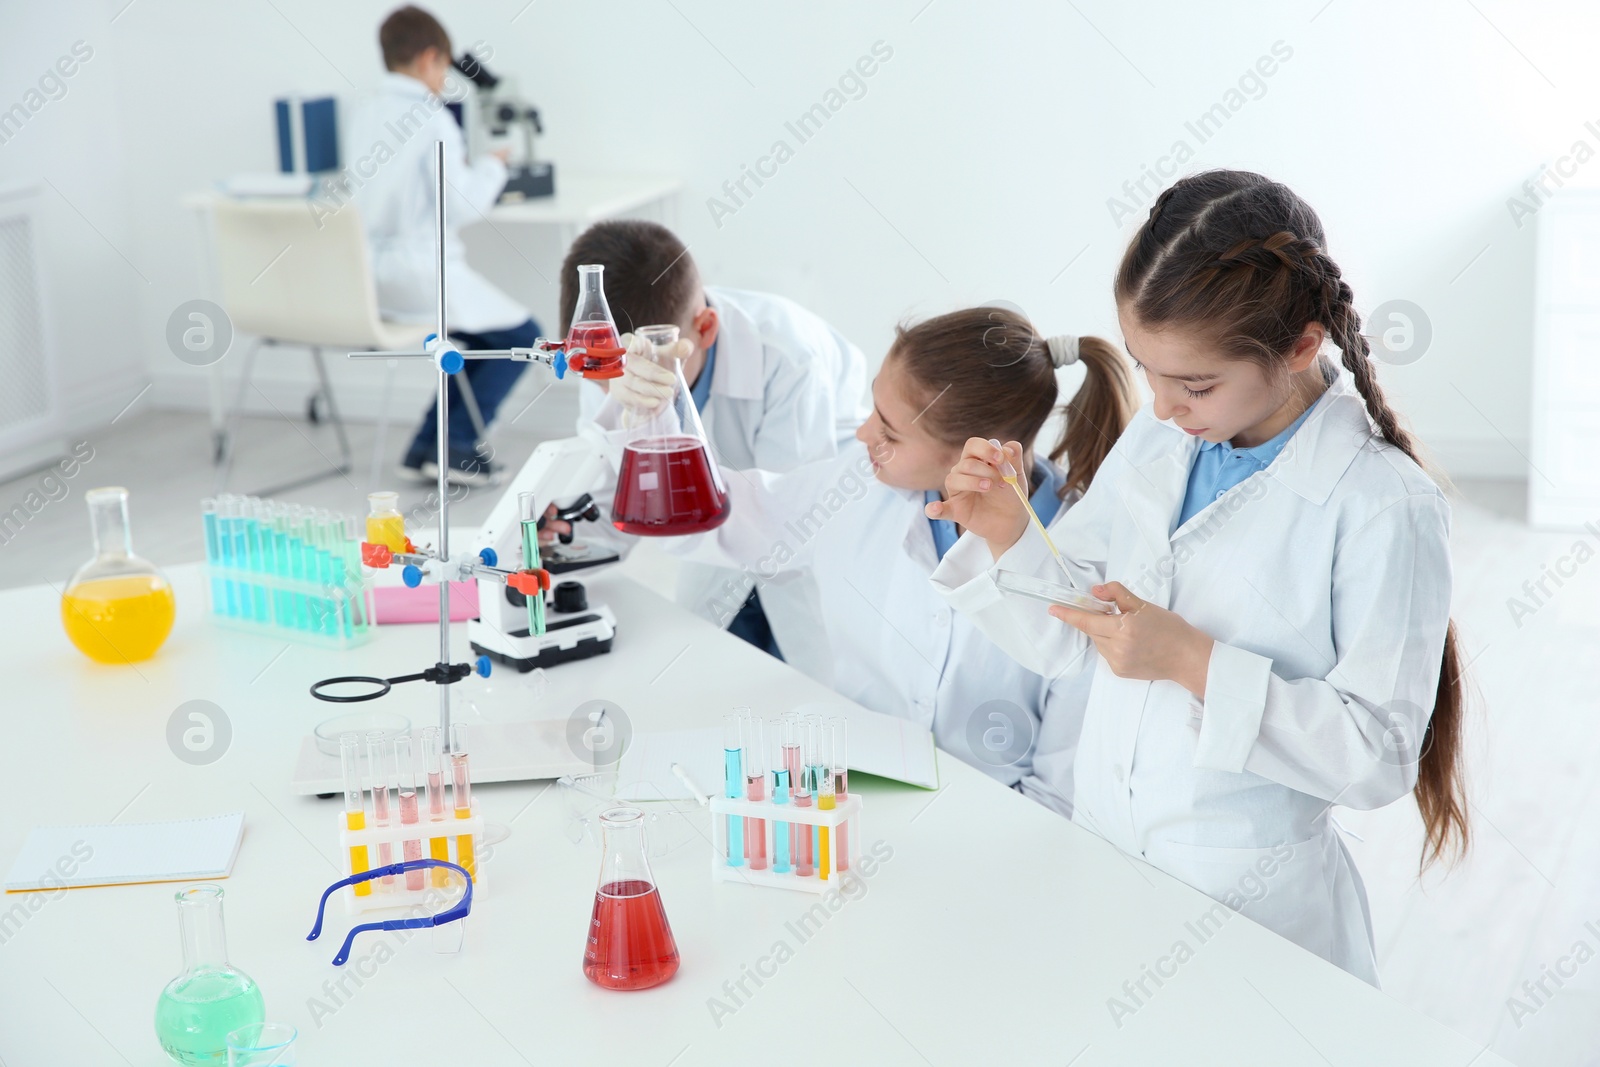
[[184, 850]]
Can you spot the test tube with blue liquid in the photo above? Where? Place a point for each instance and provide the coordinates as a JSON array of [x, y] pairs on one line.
[[208, 516], [733, 782], [781, 831], [814, 771]]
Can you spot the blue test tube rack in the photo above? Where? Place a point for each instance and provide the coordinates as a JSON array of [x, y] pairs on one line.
[[285, 570]]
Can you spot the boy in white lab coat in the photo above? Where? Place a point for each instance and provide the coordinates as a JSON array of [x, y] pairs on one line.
[[394, 135], [775, 386]]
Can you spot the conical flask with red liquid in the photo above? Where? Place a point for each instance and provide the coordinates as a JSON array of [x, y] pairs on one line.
[[668, 483], [593, 329], [630, 943]]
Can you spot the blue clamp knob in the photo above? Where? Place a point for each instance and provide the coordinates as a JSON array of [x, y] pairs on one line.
[[483, 666], [451, 361], [489, 556], [559, 364], [428, 340], [412, 575]]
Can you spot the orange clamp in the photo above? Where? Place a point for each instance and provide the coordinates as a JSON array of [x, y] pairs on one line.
[[376, 555], [529, 582]]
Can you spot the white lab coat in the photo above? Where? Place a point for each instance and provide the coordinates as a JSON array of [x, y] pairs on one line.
[[1325, 582], [389, 163], [786, 389], [880, 634]]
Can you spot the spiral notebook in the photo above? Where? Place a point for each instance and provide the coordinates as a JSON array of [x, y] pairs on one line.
[[183, 850]]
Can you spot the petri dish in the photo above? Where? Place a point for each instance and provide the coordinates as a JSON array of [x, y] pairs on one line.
[[364, 723], [1051, 592]]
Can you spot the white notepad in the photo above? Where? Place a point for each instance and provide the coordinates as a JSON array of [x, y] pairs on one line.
[[184, 850]]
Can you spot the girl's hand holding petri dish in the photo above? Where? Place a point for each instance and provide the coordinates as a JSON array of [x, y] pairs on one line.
[[978, 498], [1145, 642]]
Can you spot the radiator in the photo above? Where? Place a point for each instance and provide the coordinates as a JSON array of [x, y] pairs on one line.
[[30, 426]]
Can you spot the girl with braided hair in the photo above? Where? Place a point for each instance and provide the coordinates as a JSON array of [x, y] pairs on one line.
[[1281, 566]]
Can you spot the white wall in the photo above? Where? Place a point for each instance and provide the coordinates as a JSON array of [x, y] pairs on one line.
[[978, 163]]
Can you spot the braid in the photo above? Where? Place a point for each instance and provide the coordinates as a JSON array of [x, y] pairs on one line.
[[1344, 323]]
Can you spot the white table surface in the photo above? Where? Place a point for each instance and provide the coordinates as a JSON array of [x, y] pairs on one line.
[[580, 199], [997, 931]]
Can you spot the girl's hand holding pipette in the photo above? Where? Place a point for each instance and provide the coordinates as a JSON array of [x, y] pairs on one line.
[[978, 498], [1145, 642]]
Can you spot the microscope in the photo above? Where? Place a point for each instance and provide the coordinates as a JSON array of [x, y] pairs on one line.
[[492, 110]]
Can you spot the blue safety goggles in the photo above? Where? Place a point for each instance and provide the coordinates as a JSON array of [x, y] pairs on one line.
[[457, 911]]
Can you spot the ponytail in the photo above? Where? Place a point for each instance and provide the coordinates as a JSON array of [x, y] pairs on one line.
[[1097, 414], [1244, 259], [986, 372]]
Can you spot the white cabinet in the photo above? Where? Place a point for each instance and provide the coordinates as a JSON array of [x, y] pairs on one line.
[[1564, 484]]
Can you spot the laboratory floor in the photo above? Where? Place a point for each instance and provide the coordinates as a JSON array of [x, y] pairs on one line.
[[1456, 945]]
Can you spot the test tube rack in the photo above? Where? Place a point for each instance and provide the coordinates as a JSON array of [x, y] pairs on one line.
[[846, 813], [296, 578], [394, 893]]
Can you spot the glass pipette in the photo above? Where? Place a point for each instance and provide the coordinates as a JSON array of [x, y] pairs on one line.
[[1009, 474]]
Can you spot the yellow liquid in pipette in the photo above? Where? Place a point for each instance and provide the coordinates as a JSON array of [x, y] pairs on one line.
[[119, 620], [1027, 505]]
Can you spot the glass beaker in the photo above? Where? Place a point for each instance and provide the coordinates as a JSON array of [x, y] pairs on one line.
[[211, 998], [385, 525], [630, 944], [118, 608], [593, 329], [668, 483]]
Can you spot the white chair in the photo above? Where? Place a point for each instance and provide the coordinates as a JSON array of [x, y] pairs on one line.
[[289, 278]]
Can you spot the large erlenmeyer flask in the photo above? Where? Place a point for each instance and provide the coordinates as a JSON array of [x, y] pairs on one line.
[[668, 483], [630, 943]]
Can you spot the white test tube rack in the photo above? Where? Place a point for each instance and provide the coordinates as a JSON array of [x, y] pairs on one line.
[[845, 813], [396, 834]]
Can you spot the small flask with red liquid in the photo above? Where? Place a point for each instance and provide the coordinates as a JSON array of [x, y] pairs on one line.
[[668, 483], [593, 329], [630, 944]]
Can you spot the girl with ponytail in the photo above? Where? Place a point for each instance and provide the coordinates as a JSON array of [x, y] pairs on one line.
[[1281, 567], [851, 531]]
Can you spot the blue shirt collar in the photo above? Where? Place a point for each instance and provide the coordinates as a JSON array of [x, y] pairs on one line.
[[701, 389], [1263, 454]]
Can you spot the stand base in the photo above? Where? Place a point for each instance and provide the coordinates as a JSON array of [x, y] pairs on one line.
[[528, 182]]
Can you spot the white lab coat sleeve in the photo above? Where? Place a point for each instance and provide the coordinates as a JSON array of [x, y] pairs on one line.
[[470, 189], [797, 425], [1024, 628], [1352, 737]]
